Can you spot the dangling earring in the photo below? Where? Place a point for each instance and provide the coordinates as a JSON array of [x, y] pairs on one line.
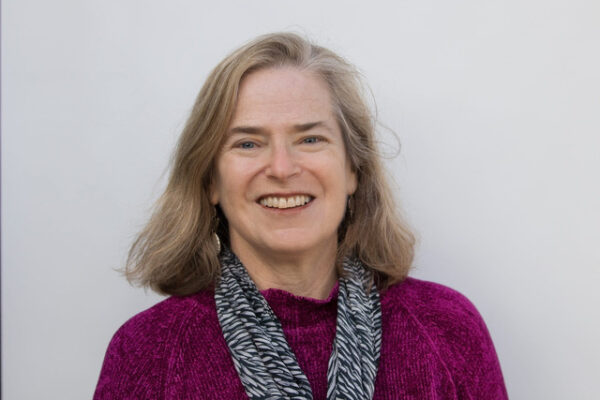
[[218, 242], [215, 227]]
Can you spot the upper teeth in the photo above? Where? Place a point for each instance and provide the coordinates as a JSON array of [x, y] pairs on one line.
[[285, 202]]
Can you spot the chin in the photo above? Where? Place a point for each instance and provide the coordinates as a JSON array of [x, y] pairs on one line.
[[291, 244], [286, 247]]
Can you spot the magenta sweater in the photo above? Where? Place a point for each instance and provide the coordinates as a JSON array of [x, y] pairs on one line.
[[434, 346]]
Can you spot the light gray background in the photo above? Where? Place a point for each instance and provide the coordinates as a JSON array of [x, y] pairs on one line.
[[496, 103]]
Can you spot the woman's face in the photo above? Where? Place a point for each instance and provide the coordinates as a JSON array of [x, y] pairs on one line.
[[283, 176]]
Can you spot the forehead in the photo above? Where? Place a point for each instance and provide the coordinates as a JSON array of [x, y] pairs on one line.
[[282, 94]]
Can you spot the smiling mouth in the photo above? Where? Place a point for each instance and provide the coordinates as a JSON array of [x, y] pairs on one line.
[[285, 202]]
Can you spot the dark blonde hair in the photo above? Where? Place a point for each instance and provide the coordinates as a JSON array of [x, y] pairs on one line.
[[176, 253]]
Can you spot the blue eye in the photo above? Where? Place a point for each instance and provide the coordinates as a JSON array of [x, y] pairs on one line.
[[246, 145], [311, 140]]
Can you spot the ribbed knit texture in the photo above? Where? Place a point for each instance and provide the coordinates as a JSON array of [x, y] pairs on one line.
[[434, 346]]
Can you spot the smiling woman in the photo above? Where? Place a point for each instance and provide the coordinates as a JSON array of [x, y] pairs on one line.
[[284, 144], [308, 295]]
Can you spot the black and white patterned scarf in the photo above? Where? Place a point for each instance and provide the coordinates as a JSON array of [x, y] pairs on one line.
[[264, 360]]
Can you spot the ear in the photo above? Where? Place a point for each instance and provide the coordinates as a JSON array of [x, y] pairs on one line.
[[351, 181], [213, 193]]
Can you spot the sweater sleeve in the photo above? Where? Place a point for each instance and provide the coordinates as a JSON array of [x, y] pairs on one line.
[[472, 356], [132, 365], [143, 351], [462, 341]]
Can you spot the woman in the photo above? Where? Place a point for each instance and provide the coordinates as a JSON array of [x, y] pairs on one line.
[[278, 238]]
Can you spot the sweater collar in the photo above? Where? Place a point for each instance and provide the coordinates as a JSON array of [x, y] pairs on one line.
[[299, 311]]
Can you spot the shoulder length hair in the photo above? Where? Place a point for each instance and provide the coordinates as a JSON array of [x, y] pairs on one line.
[[177, 253]]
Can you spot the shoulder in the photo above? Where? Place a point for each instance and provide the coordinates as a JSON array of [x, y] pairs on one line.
[[148, 344], [445, 315], [454, 330], [166, 316], [166, 321], [429, 301]]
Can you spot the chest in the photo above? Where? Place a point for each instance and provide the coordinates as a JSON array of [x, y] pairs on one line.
[[408, 368]]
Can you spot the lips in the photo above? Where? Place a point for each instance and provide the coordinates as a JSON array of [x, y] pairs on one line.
[[285, 201]]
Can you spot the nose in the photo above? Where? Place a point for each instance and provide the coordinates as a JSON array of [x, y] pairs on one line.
[[282, 163]]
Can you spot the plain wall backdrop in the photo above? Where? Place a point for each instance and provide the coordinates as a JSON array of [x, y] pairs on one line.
[[496, 105]]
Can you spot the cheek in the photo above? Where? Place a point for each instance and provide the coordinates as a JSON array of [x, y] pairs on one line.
[[232, 180], [337, 172]]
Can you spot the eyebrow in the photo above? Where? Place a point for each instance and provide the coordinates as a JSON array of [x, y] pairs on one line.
[[297, 128]]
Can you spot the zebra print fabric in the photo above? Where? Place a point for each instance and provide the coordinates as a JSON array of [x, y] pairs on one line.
[[261, 355]]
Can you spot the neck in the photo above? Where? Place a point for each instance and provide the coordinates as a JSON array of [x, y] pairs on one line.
[[308, 274]]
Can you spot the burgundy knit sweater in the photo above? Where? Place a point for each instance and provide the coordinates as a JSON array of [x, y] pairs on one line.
[[434, 346]]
